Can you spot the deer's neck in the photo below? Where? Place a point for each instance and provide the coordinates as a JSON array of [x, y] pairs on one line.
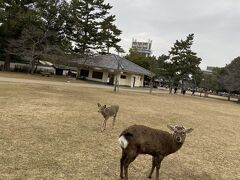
[[175, 146], [104, 113]]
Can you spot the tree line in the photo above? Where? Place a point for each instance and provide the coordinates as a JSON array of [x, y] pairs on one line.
[[180, 67], [180, 64], [54, 30]]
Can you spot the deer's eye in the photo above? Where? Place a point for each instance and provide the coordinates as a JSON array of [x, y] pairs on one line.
[[183, 133]]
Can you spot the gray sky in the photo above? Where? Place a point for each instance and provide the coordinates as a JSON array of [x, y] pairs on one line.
[[215, 23]]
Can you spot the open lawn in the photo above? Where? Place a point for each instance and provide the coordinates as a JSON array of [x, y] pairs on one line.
[[53, 132]]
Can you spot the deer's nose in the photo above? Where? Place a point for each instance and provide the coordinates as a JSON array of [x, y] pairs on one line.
[[178, 139]]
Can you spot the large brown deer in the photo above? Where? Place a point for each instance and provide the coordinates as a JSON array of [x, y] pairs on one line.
[[139, 139]]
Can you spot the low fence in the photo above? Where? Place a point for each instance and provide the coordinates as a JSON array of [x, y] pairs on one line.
[[19, 67]]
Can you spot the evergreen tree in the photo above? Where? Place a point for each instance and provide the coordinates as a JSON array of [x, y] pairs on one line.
[[167, 70], [15, 15], [53, 15], [80, 27], [138, 59], [91, 28], [184, 60], [109, 35]]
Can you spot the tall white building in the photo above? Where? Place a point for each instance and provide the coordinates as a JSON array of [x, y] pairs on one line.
[[143, 48]]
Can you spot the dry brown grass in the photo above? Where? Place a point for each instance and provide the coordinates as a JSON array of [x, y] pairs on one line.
[[53, 132], [31, 76]]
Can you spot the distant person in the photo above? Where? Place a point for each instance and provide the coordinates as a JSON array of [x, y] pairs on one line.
[[193, 92], [175, 90], [184, 91], [170, 89], [68, 73]]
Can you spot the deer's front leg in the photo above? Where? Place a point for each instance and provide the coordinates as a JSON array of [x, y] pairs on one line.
[[158, 161], [104, 125], [153, 167]]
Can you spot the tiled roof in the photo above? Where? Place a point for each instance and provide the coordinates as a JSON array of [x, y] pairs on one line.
[[110, 61], [59, 66]]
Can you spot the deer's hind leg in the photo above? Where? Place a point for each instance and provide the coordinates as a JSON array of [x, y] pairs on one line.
[[114, 119], [130, 158], [124, 156], [113, 123]]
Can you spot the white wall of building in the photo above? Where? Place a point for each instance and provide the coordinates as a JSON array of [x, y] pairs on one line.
[[128, 81], [104, 77], [138, 80], [125, 82]]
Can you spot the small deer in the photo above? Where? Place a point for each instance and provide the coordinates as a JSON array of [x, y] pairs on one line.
[[138, 139], [108, 112]]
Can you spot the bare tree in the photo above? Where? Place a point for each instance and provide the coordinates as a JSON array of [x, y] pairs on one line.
[[231, 77], [29, 45], [34, 45], [229, 80]]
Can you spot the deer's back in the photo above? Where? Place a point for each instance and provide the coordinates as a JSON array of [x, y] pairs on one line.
[[147, 140], [112, 110]]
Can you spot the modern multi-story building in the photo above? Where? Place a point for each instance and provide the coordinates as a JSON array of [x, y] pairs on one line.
[[143, 48], [208, 70]]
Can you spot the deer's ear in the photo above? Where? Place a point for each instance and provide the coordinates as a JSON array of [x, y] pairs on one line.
[[99, 105], [188, 130], [172, 128]]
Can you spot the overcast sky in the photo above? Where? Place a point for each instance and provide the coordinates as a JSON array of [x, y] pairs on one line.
[[215, 23]]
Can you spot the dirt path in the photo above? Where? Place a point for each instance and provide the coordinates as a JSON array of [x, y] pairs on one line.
[[76, 83], [73, 83]]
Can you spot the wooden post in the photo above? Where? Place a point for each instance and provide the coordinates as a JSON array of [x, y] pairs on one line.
[[151, 84], [116, 84]]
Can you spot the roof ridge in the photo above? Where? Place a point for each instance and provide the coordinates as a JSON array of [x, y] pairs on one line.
[[136, 65], [111, 61]]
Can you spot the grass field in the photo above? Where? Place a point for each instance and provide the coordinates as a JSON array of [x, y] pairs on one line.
[[53, 132]]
